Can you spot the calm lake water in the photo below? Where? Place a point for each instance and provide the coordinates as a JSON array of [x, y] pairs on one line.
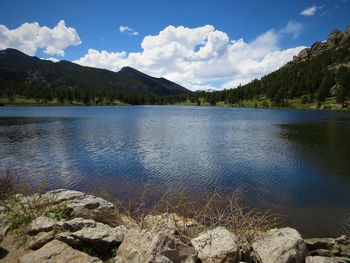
[[296, 163]]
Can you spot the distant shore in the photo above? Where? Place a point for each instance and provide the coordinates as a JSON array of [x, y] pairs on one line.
[[263, 103]]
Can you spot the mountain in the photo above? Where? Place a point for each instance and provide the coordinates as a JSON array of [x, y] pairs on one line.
[[316, 76], [31, 77], [159, 85]]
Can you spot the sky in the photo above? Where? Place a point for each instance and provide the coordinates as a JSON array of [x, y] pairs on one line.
[[198, 44]]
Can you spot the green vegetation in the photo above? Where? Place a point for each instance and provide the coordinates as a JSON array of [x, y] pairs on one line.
[[24, 78], [319, 82], [21, 210], [41, 102], [313, 83]]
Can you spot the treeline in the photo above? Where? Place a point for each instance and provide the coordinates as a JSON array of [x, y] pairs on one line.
[[312, 80], [44, 94]]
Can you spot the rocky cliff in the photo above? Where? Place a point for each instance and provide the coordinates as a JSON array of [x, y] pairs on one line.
[[85, 228], [335, 39]]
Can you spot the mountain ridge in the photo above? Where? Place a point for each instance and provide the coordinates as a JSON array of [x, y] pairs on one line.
[[20, 72]]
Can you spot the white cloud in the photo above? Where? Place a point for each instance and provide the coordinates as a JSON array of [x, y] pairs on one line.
[[128, 30], [29, 37], [294, 28], [51, 59], [310, 11], [200, 58]]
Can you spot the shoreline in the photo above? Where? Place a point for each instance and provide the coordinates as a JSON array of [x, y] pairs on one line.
[[71, 224], [175, 105]]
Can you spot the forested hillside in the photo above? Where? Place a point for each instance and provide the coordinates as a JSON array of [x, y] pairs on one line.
[[316, 74], [27, 77]]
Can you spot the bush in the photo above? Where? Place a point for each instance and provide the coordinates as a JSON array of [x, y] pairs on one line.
[[304, 99], [265, 104]]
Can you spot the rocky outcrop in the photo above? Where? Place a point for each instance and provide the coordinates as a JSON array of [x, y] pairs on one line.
[[57, 252], [335, 39], [217, 246], [279, 246]]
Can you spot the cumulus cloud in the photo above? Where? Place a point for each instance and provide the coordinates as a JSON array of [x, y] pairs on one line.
[[128, 30], [29, 37], [294, 28], [200, 57], [310, 11]]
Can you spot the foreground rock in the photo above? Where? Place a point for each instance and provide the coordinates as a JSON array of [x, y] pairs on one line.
[[280, 246], [74, 232], [98, 234], [162, 238], [319, 259], [216, 246], [86, 206], [329, 247], [58, 252], [144, 246], [157, 241]]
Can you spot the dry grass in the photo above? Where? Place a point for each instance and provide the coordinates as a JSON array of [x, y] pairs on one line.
[[8, 183], [203, 211]]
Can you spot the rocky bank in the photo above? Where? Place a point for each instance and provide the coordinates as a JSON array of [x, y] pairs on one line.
[[93, 230]]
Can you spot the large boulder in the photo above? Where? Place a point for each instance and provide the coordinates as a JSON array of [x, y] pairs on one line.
[[57, 252], [98, 234], [86, 206], [146, 246], [215, 246], [169, 223], [74, 232], [280, 246]]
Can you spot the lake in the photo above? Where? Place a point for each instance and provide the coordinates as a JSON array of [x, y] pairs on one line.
[[294, 162]]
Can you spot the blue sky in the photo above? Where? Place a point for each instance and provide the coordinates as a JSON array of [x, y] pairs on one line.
[[279, 29]]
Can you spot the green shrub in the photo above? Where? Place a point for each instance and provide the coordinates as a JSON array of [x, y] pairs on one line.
[[265, 104], [304, 99]]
